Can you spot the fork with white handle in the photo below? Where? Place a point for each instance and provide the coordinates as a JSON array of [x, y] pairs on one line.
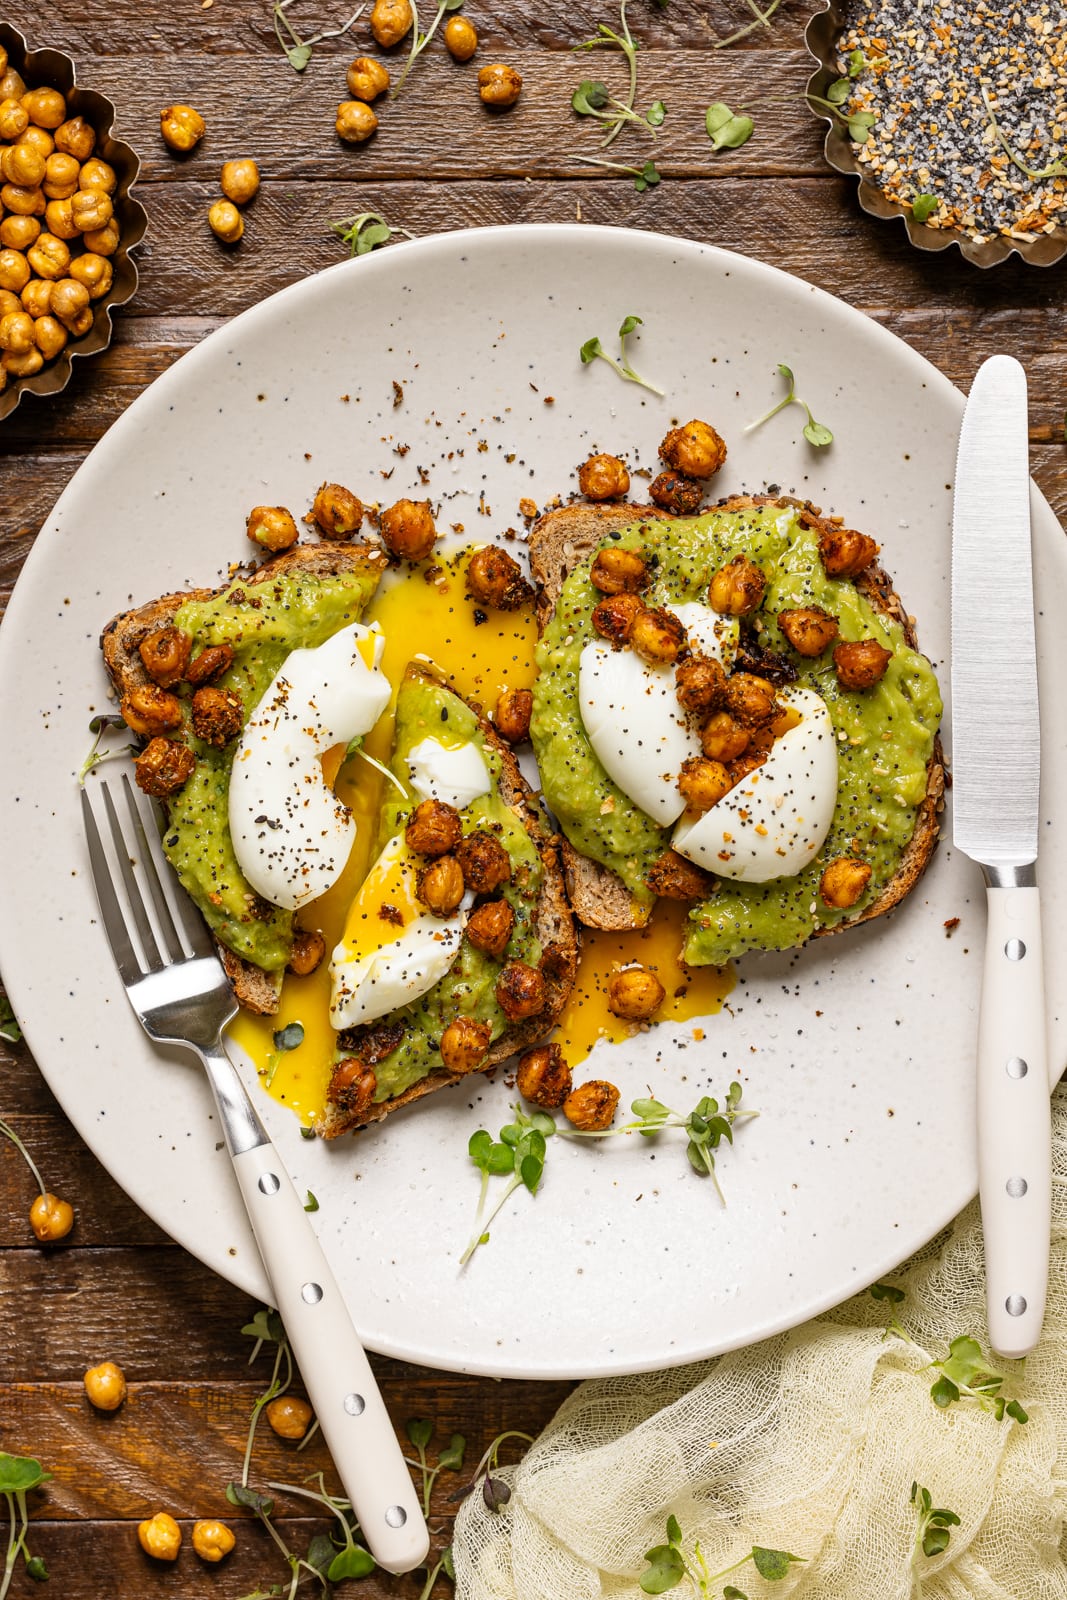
[[177, 987]]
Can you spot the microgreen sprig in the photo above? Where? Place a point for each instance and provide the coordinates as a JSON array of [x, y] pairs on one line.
[[495, 1492], [668, 1564], [1056, 169], [593, 99], [347, 1558], [858, 123], [762, 19], [965, 1375], [518, 1155], [100, 725], [9, 1026], [935, 1524], [816, 433], [298, 50], [645, 177], [419, 41], [18, 1476], [924, 206], [266, 1328], [606, 38], [727, 130], [593, 350], [420, 1432], [365, 231], [705, 1128]]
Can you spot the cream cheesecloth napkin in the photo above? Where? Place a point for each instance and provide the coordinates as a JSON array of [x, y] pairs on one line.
[[808, 1442]]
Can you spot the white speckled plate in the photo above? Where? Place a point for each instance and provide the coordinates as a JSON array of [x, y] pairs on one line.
[[857, 1052]]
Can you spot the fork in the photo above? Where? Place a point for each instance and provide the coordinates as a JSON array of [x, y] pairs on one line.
[[181, 995]]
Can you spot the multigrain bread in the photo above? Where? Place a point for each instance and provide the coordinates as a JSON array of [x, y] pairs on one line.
[[553, 926], [255, 988], [559, 541]]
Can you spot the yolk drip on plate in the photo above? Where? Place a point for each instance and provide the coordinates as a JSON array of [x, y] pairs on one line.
[[425, 612]]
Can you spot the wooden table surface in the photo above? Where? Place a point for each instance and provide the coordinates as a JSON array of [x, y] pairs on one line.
[[118, 1289]]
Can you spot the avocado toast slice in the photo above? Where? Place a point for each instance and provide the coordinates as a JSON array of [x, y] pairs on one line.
[[297, 599], [891, 775], [396, 1058]]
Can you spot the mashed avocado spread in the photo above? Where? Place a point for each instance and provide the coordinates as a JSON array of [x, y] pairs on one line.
[[262, 623], [428, 710], [885, 734]]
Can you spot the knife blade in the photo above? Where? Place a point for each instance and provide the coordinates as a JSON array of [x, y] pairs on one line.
[[996, 767]]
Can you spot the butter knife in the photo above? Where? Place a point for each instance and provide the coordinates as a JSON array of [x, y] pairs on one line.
[[996, 762]]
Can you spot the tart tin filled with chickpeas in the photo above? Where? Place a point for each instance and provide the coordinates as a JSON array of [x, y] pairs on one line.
[[67, 221]]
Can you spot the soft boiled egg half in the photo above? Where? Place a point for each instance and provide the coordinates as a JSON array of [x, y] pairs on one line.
[[772, 823]]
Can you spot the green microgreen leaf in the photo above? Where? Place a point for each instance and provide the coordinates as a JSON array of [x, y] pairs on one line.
[[731, 1592], [860, 124], [817, 434], [239, 1494], [420, 1431], [519, 1155], [887, 1291], [1016, 1412], [20, 1474], [935, 1523], [451, 1459], [589, 97], [773, 1564], [290, 1037], [311, 1203], [727, 130], [857, 63], [944, 1393], [36, 1569], [655, 114], [352, 1562], [666, 1569], [839, 91], [646, 177], [615, 113], [924, 206], [320, 1553], [363, 233]]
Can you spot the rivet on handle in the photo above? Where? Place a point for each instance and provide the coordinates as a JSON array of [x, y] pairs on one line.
[[1016, 1067], [355, 1405], [1014, 949], [311, 1293], [270, 1183], [396, 1516], [1016, 1187], [1015, 1305]]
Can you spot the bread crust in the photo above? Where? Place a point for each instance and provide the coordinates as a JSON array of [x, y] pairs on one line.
[[553, 924], [558, 542]]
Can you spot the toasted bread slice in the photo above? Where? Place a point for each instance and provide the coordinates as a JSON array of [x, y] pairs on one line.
[[256, 989], [559, 540], [553, 926]]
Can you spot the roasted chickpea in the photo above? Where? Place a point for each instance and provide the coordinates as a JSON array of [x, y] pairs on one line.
[[165, 655], [69, 299], [858, 666], [352, 1087], [225, 221], [490, 926], [367, 79], [407, 529], [809, 629], [49, 336], [81, 324], [97, 174], [239, 180], [92, 208], [695, 449], [441, 886], [209, 664], [164, 767], [433, 829], [512, 715], [160, 1536], [672, 877], [616, 571], [12, 85], [13, 120], [484, 860], [182, 127], [3, 58], [674, 492], [390, 20], [59, 219], [750, 700], [465, 1044], [336, 511], [614, 617], [845, 553], [14, 270], [722, 738], [603, 477], [23, 201], [76, 138], [289, 1416], [592, 1106], [495, 579], [60, 177], [212, 1540], [49, 257], [19, 233], [658, 635], [149, 710], [499, 85], [22, 164], [103, 241], [543, 1076], [12, 302], [16, 333], [309, 947], [700, 683], [520, 991], [40, 139], [51, 1218], [217, 715], [843, 882], [272, 527], [737, 589], [105, 1386], [46, 108], [36, 298], [461, 38], [23, 364], [703, 783], [94, 271], [635, 993], [355, 121]]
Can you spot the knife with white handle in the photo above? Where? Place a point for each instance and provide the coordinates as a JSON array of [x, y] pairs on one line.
[[996, 764]]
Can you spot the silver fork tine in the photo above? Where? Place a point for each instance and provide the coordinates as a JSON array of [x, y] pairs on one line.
[[153, 959], [114, 921], [149, 848]]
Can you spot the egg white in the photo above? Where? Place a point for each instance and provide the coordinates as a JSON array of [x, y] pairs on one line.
[[455, 774]]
